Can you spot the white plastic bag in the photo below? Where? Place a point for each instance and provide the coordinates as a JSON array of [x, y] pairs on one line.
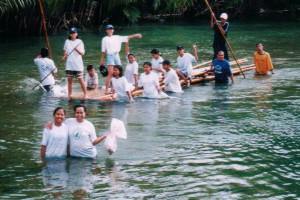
[[117, 129]]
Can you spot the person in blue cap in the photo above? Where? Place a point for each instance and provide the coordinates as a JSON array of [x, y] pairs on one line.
[[111, 44], [73, 52]]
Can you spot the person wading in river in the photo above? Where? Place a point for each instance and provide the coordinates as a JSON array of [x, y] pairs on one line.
[[46, 66], [111, 44], [262, 61], [219, 41], [222, 69]]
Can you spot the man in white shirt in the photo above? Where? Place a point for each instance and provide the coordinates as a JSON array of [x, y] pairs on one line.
[[46, 68], [111, 44], [184, 62]]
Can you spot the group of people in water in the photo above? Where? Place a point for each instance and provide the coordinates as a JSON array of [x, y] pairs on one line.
[[77, 136], [154, 71]]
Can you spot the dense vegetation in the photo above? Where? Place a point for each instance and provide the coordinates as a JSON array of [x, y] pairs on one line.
[[24, 16]]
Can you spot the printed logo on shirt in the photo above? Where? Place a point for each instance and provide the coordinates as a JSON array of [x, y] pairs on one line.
[[77, 133], [218, 69]]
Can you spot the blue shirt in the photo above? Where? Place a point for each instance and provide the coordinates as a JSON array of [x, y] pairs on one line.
[[222, 71]]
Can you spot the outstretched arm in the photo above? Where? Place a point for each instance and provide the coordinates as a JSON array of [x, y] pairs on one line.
[[134, 36], [127, 48], [99, 139]]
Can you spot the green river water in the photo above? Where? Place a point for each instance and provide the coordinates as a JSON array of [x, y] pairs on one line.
[[211, 142]]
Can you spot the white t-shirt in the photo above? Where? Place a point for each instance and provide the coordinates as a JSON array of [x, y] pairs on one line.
[[121, 86], [74, 60], [185, 63], [56, 141], [81, 138], [171, 81], [45, 66], [157, 64], [113, 43], [91, 82], [149, 82], [131, 70]]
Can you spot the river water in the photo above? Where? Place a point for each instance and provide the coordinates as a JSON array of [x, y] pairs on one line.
[[212, 142]]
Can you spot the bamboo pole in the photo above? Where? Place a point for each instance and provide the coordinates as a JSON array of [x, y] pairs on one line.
[[221, 30], [45, 28]]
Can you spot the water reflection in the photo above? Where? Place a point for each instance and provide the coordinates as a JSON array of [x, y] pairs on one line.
[[55, 176]]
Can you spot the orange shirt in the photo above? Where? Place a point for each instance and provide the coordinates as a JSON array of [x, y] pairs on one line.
[[263, 63]]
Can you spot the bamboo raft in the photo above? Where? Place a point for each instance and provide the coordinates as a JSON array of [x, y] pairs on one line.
[[199, 75]]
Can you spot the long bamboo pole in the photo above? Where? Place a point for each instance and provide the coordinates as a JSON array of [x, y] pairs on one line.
[[45, 29], [221, 30]]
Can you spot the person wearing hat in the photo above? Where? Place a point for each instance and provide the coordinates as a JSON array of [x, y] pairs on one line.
[[73, 52], [184, 62], [111, 44], [219, 41]]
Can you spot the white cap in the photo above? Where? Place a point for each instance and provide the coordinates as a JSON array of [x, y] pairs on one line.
[[224, 16]]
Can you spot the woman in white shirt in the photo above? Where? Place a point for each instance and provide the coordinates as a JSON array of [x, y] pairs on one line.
[[149, 81], [131, 70], [81, 134], [157, 62], [120, 84], [55, 141], [73, 52]]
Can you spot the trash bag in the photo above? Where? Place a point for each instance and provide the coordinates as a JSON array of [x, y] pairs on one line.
[[103, 70], [117, 129]]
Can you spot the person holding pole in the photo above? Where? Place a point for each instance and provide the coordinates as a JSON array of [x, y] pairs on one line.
[[46, 68], [111, 44], [73, 52], [219, 41]]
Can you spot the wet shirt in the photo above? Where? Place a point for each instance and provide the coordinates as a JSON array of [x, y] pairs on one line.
[[121, 86], [263, 63], [222, 71], [185, 63], [149, 83], [172, 81], [46, 66], [157, 63], [56, 141], [81, 138]]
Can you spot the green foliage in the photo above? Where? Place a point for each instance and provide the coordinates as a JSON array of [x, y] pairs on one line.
[[6, 5], [132, 13]]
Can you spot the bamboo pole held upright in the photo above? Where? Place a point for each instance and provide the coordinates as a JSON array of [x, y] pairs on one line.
[[45, 28], [211, 12]]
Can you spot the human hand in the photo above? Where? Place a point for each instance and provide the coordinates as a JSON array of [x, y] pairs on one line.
[[64, 58], [49, 125], [101, 62], [139, 35]]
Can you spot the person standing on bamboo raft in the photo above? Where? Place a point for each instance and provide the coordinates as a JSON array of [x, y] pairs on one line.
[[262, 61], [73, 52], [219, 41], [111, 44]]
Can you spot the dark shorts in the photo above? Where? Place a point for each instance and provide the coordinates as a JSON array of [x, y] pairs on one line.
[[48, 88], [74, 74]]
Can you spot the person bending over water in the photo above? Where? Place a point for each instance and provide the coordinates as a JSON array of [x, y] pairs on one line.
[[55, 141], [149, 81], [46, 66], [119, 83]]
